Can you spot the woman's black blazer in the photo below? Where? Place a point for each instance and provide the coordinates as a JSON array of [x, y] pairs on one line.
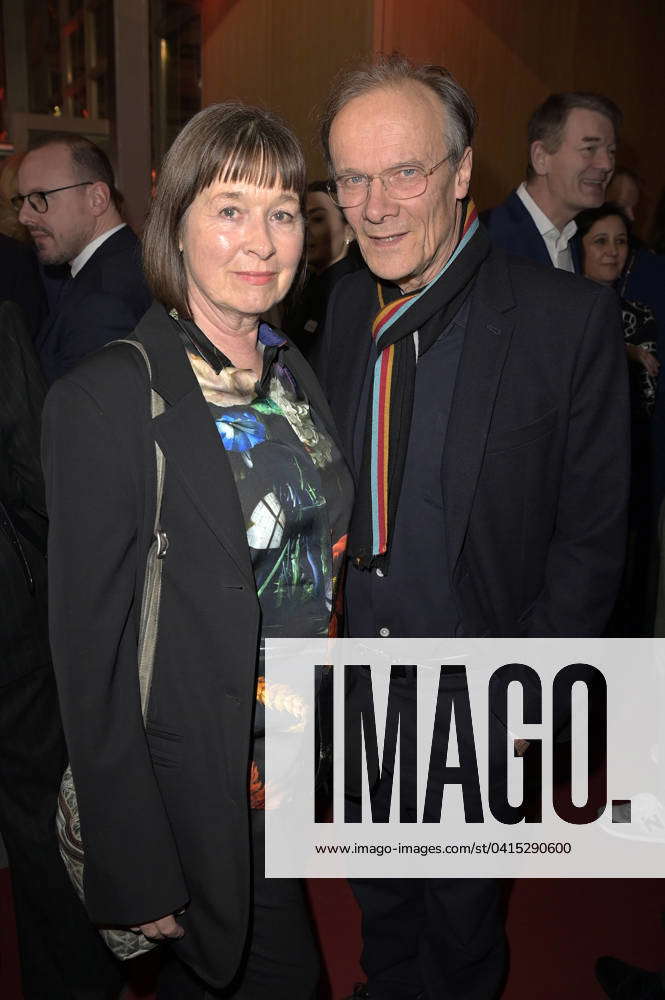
[[164, 812]]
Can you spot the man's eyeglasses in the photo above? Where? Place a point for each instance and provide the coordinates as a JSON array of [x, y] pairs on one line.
[[405, 181], [37, 199]]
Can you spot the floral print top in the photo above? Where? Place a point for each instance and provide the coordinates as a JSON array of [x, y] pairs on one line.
[[295, 492], [640, 328]]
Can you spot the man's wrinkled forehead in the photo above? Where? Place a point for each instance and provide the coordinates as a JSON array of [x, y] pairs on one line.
[[584, 125], [407, 118]]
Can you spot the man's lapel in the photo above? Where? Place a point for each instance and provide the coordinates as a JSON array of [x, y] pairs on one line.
[[486, 343], [124, 239], [532, 245], [58, 284], [188, 437], [576, 254]]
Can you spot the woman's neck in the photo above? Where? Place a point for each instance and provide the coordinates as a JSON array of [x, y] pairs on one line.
[[234, 334]]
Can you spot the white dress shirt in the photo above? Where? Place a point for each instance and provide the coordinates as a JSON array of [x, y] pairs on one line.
[[87, 252], [557, 243]]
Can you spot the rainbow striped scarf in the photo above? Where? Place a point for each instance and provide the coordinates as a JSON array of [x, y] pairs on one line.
[[386, 379]]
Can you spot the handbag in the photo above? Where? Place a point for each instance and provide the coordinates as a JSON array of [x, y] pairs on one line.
[[124, 943]]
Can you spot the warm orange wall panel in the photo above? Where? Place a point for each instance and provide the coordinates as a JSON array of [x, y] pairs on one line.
[[511, 53], [283, 54], [627, 61]]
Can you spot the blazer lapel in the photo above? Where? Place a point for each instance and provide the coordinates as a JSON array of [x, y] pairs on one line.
[[123, 239], [486, 343], [575, 253], [532, 242], [188, 437], [51, 318]]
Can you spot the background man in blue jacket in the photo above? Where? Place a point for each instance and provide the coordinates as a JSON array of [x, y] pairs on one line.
[[68, 201], [572, 142]]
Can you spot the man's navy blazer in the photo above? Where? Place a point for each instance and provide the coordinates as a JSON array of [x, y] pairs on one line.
[[511, 227], [105, 301], [534, 478]]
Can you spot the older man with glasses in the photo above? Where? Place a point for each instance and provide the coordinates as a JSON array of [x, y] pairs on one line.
[[68, 201], [482, 404]]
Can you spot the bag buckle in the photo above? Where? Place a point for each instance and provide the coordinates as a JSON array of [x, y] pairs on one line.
[[162, 543]]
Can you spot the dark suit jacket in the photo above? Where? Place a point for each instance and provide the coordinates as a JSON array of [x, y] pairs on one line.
[[535, 462], [163, 818], [104, 301], [23, 628], [20, 282], [512, 228]]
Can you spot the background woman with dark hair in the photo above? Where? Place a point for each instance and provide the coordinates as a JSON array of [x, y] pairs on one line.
[[256, 496], [604, 239], [604, 234], [330, 253]]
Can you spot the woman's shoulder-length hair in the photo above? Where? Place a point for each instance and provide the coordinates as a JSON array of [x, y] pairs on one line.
[[230, 142]]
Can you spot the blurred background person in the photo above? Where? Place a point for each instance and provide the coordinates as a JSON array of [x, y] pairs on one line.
[[624, 191], [9, 223], [19, 275], [643, 273], [330, 253], [643, 282], [657, 235], [604, 235], [51, 279], [605, 239], [572, 140], [68, 201], [327, 235], [20, 282]]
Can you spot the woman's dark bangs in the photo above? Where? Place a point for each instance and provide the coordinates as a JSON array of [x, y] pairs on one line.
[[265, 161]]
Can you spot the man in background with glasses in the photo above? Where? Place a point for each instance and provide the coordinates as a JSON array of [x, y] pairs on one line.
[[68, 201], [482, 404]]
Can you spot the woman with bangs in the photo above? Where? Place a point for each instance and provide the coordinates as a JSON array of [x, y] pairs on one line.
[[252, 528]]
